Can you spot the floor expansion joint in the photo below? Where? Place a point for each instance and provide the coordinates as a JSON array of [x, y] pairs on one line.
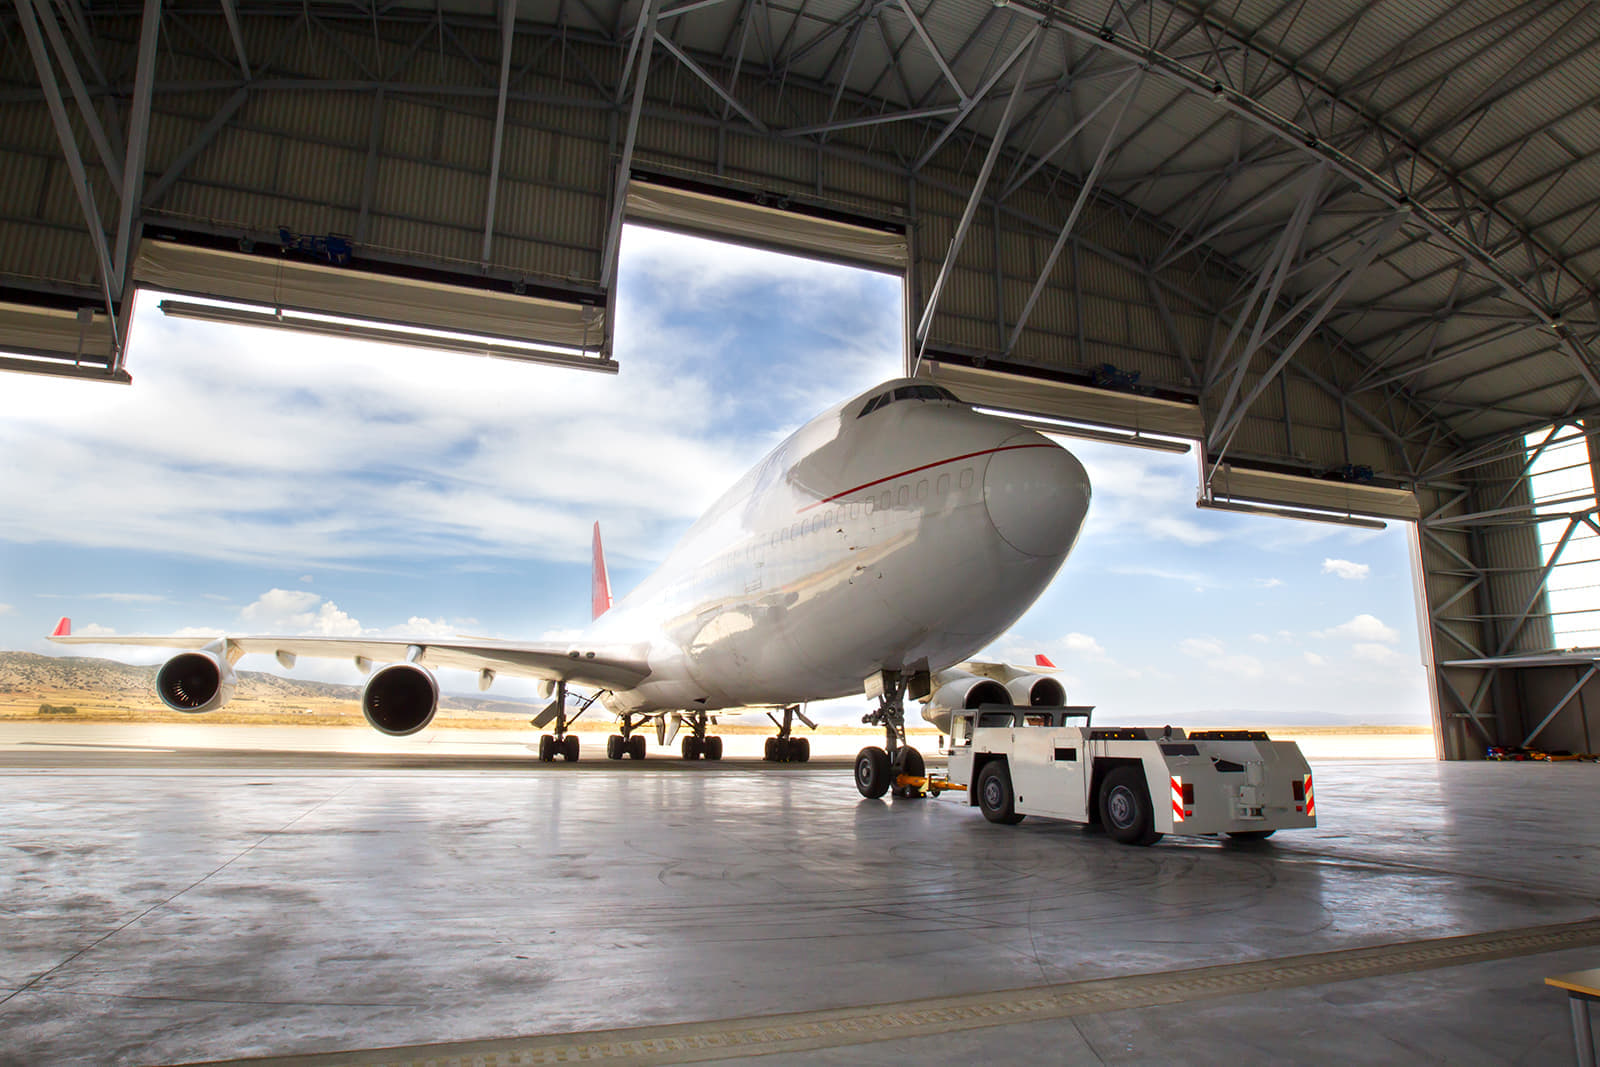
[[727, 1038]]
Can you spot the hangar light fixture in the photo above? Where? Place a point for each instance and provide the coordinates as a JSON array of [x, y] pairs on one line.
[[1309, 515], [376, 331]]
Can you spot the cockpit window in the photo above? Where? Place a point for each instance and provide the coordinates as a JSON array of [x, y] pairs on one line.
[[908, 392]]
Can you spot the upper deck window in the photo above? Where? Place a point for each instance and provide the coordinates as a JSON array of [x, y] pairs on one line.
[[907, 392]]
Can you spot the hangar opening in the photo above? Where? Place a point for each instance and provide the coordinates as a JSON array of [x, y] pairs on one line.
[[1365, 274]]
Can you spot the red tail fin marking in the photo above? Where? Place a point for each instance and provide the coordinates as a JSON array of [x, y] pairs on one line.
[[63, 628], [1042, 660], [601, 583]]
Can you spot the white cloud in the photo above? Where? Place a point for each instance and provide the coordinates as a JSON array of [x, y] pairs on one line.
[[305, 578], [93, 629], [1170, 528], [1083, 645], [1261, 639], [1361, 628], [1241, 666], [1201, 582], [1201, 647], [417, 626], [302, 612], [1314, 659], [1375, 653], [1269, 583], [1343, 568], [6, 609]]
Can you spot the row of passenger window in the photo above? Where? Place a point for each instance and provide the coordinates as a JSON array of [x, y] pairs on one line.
[[901, 496]]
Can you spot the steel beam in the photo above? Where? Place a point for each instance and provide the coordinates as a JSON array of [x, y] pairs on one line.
[[201, 141], [69, 149], [1128, 90], [138, 137], [1263, 295], [508, 33], [870, 120], [1360, 263], [619, 190], [1032, 41], [933, 50], [712, 83], [232, 15], [1126, 86], [1561, 704], [109, 158], [1028, 44]]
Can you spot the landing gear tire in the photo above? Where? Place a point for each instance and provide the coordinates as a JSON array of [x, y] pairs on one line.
[[1246, 836], [873, 774], [799, 750], [711, 748], [996, 798], [690, 747], [615, 746], [634, 746], [909, 762], [569, 748], [769, 751], [1125, 807], [546, 754]]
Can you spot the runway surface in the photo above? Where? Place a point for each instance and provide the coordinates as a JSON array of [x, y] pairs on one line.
[[164, 905]]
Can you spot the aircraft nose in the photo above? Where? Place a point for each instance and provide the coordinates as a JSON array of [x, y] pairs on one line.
[[1037, 494]]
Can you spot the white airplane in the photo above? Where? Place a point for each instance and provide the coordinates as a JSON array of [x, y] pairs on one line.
[[876, 548]]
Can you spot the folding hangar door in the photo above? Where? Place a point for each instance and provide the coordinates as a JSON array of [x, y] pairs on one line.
[[1355, 256]]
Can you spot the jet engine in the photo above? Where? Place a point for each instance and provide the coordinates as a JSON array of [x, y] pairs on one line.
[[400, 699], [1037, 691], [960, 691], [195, 682]]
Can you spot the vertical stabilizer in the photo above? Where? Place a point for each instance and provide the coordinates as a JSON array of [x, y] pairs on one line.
[[601, 588]]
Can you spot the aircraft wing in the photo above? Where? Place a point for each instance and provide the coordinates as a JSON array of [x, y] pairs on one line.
[[601, 667], [1006, 672]]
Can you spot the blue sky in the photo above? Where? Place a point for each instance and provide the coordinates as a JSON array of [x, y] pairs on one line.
[[264, 482]]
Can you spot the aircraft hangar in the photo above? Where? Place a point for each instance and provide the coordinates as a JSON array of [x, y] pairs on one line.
[[1350, 248]]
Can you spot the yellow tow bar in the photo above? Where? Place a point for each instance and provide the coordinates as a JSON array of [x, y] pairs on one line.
[[933, 786]]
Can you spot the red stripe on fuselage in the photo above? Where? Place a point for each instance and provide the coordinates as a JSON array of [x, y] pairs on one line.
[[918, 470]]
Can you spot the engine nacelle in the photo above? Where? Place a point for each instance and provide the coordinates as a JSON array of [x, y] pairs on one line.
[[400, 699], [1037, 691], [960, 691], [195, 682]]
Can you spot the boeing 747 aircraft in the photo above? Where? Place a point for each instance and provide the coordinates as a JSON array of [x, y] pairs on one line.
[[876, 548]]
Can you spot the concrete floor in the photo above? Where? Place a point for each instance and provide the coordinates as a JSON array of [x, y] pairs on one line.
[[167, 908]]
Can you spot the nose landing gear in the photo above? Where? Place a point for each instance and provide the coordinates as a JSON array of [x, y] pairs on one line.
[[880, 770]]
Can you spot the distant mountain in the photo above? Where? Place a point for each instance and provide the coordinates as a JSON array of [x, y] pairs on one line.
[[30, 673]]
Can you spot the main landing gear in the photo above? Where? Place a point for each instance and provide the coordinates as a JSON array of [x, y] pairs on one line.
[[697, 745], [879, 770], [786, 748], [629, 743], [561, 743]]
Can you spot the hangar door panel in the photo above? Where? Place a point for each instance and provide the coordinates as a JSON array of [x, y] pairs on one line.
[[1232, 483], [1065, 400], [281, 283], [801, 232]]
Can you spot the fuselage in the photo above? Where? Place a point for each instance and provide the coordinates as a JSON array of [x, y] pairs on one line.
[[898, 530]]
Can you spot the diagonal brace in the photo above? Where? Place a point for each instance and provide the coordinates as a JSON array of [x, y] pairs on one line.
[[1035, 36], [1129, 91], [712, 83], [1362, 260]]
